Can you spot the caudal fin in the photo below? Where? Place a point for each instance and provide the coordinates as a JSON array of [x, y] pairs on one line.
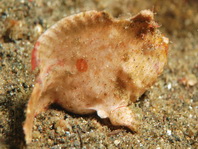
[[36, 105]]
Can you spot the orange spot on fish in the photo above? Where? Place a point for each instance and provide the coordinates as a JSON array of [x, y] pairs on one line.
[[81, 65], [166, 48], [154, 25], [58, 63], [34, 61]]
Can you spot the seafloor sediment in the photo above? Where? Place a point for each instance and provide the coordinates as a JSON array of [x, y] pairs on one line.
[[169, 108]]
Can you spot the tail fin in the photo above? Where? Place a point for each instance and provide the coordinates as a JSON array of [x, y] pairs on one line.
[[36, 105], [30, 113]]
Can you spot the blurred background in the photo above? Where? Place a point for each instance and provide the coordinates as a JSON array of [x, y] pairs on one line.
[[169, 108]]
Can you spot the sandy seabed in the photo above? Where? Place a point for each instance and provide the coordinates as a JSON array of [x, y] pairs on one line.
[[169, 108]]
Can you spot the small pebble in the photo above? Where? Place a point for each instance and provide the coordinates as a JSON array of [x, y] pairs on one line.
[[117, 142], [37, 135], [189, 80], [61, 126], [38, 29], [169, 132], [169, 86], [76, 143]]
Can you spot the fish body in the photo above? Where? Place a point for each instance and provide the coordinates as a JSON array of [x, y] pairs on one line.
[[91, 62]]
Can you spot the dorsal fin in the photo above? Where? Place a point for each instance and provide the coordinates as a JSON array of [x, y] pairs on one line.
[[81, 20]]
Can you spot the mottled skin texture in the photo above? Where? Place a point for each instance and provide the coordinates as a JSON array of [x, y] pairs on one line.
[[91, 62]]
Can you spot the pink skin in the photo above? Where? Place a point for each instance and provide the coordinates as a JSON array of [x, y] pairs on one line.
[[34, 60], [58, 63], [103, 68]]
